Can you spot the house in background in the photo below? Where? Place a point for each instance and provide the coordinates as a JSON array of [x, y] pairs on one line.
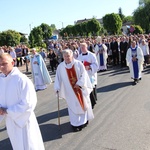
[[126, 27]]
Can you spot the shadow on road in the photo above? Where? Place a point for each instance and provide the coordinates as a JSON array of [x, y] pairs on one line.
[[113, 87], [53, 132], [5, 144], [52, 115], [116, 71]]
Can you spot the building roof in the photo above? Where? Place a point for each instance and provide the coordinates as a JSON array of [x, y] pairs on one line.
[[85, 20]]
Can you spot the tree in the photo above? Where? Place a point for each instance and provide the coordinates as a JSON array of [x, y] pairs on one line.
[[143, 2], [74, 31], [46, 31], [68, 30], [39, 35], [137, 29], [53, 27], [142, 16], [23, 39], [121, 14], [93, 26], [112, 23], [84, 28], [128, 19], [36, 37], [78, 29], [9, 38]]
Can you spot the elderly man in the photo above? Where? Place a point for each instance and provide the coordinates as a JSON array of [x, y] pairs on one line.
[[73, 84], [17, 103], [40, 73]]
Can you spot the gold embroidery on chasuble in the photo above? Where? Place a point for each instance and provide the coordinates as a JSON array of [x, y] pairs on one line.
[[73, 79]]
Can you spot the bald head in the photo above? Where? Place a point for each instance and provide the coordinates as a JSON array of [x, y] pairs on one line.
[[6, 56], [6, 63]]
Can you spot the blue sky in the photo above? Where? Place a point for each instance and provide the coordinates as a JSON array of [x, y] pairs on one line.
[[23, 15]]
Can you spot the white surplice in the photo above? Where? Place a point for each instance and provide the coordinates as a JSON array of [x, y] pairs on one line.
[[18, 95], [77, 115], [91, 58]]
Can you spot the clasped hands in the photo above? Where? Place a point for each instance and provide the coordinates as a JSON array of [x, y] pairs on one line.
[[3, 111], [134, 59], [35, 62]]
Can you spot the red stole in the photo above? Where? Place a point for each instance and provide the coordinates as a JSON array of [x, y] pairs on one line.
[[72, 76]]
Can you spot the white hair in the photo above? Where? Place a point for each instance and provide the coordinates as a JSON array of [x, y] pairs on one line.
[[67, 51], [99, 39]]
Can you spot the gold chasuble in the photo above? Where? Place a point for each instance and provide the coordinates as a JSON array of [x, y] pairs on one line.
[[73, 79]]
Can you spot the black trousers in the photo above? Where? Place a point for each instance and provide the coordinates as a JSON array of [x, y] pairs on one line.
[[53, 64], [92, 98], [19, 60]]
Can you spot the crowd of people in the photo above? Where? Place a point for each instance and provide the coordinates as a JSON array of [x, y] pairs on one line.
[[76, 63]]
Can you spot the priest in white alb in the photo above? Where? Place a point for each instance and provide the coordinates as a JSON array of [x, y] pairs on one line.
[[40, 74], [101, 53], [17, 103], [90, 63], [73, 84], [135, 60]]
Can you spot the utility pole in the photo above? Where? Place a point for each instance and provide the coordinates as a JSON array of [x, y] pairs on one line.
[[62, 24], [30, 27]]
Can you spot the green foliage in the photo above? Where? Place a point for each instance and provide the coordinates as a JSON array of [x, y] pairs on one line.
[[23, 40], [128, 19], [137, 29], [142, 16], [9, 38], [78, 29], [112, 23], [68, 30], [84, 28], [40, 34], [93, 26], [143, 2], [53, 27], [46, 31]]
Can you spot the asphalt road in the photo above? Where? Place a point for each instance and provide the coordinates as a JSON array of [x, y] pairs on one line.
[[122, 116]]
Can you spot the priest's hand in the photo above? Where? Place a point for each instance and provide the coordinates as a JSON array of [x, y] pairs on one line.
[[35, 62], [87, 67], [134, 59], [3, 111], [77, 86]]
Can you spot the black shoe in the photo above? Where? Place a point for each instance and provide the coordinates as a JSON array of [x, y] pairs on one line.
[[135, 82], [77, 129], [85, 125]]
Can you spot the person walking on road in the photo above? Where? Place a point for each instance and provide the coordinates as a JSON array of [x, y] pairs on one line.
[[73, 84], [89, 60], [17, 103], [135, 60], [40, 74]]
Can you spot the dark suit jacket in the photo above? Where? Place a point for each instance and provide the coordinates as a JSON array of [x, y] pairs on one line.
[[123, 47], [114, 47]]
